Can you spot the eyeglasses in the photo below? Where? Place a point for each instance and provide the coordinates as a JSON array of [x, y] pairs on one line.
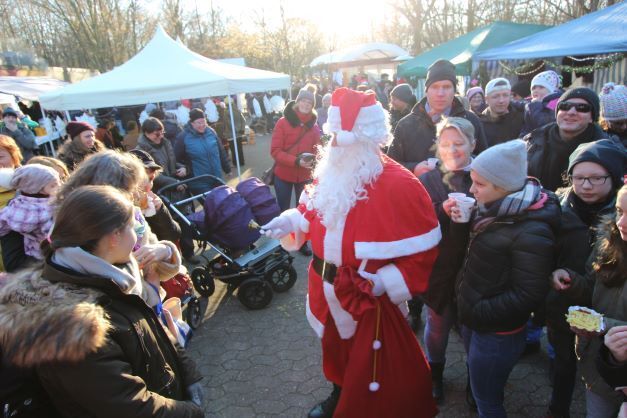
[[579, 107], [158, 133], [594, 181]]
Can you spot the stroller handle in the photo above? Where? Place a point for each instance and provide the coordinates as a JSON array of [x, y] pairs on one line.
[[218, 182]]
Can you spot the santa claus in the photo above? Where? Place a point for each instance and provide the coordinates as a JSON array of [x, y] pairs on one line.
[[374, 235]]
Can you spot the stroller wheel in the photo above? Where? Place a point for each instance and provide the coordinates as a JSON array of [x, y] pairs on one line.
[[193, 314], [203, 282], [281, 278], [254, 293]]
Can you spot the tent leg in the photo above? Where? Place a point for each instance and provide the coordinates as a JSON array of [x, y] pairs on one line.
[[239, 173]]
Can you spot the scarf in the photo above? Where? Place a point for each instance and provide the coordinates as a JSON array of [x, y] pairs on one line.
[[589, 212], [530, 197], [303, 117], [128, 278]]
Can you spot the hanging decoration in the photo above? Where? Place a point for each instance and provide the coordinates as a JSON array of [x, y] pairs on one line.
[[599, 63]]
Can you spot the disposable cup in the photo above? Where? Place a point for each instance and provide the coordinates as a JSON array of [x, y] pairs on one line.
[[456, 195], [465, 205], [432, 162]]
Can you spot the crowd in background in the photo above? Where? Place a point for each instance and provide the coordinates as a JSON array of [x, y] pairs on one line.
[[548, 231]]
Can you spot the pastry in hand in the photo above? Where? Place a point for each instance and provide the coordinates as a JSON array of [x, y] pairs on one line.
[[585, 319]]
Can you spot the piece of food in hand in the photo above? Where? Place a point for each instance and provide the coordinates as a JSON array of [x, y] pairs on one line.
[[253, 225], [585, 319]]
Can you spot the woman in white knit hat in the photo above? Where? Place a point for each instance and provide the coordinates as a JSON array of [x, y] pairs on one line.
[[504, 278]]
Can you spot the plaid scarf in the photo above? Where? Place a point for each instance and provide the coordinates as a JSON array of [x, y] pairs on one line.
[[511, 205]]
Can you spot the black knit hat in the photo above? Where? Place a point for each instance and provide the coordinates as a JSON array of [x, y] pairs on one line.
[[404, 93], [441, 70], [196, 114], [522, 88], [604, 152], [582, 93]]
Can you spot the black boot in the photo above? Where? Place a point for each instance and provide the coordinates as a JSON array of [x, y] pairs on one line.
[[305, 250], [437, 386], [326, 408]]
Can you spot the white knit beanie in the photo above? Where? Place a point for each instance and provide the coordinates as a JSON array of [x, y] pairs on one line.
[[613, 102], [504, 165], [547, 79]]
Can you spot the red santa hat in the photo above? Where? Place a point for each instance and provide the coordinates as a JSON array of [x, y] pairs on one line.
[[357, 116]]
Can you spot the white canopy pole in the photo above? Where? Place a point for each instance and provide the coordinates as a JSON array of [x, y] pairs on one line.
[[48, 134], [239, 174]]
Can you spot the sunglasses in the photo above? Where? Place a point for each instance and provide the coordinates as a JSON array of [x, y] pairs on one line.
[[579, 107]]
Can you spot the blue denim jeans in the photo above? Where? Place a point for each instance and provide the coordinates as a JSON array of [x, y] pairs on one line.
[[283, 190], [436, 333], [599, 407], [491, 358]]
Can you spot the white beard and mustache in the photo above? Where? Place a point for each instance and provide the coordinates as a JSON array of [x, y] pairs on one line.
[[342, 174]]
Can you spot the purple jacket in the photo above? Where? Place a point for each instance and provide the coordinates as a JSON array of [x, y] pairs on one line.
[[31, 217]]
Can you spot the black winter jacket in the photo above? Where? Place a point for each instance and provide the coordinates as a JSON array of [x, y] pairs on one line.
[[501, 128], [103, 352], [547, 153], [415, 134], [574, 246], [506, 272], [451, 248]]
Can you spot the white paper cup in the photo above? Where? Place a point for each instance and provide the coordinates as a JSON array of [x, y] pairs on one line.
[[465, 205], [432, 162], [456, 195]]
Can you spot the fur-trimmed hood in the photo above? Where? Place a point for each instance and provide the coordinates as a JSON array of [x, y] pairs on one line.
[[290, 114], [72, 153], [43, 322]]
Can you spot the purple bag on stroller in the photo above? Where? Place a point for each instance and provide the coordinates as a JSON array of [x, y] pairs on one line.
[[260, 198], [226, 218]]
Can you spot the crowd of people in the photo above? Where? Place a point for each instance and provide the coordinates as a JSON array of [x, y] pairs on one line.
[[529, 197], [499, 215]]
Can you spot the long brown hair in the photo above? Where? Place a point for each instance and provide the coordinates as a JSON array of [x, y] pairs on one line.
[[121, 170], [86, 215], [610, 263]]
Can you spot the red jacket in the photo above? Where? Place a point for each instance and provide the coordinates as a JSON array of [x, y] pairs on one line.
[[285, 134]]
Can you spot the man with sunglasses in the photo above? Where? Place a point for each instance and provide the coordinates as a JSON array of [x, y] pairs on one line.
[[549, 146]]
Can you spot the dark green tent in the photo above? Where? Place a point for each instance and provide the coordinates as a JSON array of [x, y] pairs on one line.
[[461, 50]]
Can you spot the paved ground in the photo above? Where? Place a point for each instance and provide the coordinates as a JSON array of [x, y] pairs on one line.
[[267, 363]]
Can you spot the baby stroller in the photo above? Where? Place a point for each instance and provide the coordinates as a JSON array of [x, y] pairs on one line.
[[256, 266], [181, 286]]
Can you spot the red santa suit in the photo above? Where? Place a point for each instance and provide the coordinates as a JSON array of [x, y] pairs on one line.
[[368, 347]]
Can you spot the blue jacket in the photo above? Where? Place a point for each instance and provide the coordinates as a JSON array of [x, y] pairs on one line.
[[201, 153], [538, 114]]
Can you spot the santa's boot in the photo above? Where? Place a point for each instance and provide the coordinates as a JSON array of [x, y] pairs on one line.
[[437, 385], [326, 408]]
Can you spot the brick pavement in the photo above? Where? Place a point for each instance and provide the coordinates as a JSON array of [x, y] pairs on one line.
[[267, 363]]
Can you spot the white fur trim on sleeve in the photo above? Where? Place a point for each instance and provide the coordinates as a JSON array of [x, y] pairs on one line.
[[394, 283], [393, 249], [345, 138]]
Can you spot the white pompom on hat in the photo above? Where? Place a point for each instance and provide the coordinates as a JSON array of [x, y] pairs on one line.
[[357, 116]]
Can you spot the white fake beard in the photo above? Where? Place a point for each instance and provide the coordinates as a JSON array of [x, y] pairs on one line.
[[342, 173]]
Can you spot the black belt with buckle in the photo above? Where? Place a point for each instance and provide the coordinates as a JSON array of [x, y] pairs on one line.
[[324, 269]]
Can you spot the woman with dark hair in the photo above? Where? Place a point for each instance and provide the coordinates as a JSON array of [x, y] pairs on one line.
[[153, 141], [104, 352], [82, 143], [595, 173], [603, 289]]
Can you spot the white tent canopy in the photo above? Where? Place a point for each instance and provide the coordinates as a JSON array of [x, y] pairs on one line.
[[29, 88], [164, 70], [362, 52]]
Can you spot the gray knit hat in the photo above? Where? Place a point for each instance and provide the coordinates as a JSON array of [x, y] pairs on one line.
[[504, 165], [306, 95], [32, 178], [404, 93]]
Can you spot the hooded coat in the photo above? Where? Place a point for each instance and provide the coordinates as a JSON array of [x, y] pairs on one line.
[[73, 152], [97, 351]]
